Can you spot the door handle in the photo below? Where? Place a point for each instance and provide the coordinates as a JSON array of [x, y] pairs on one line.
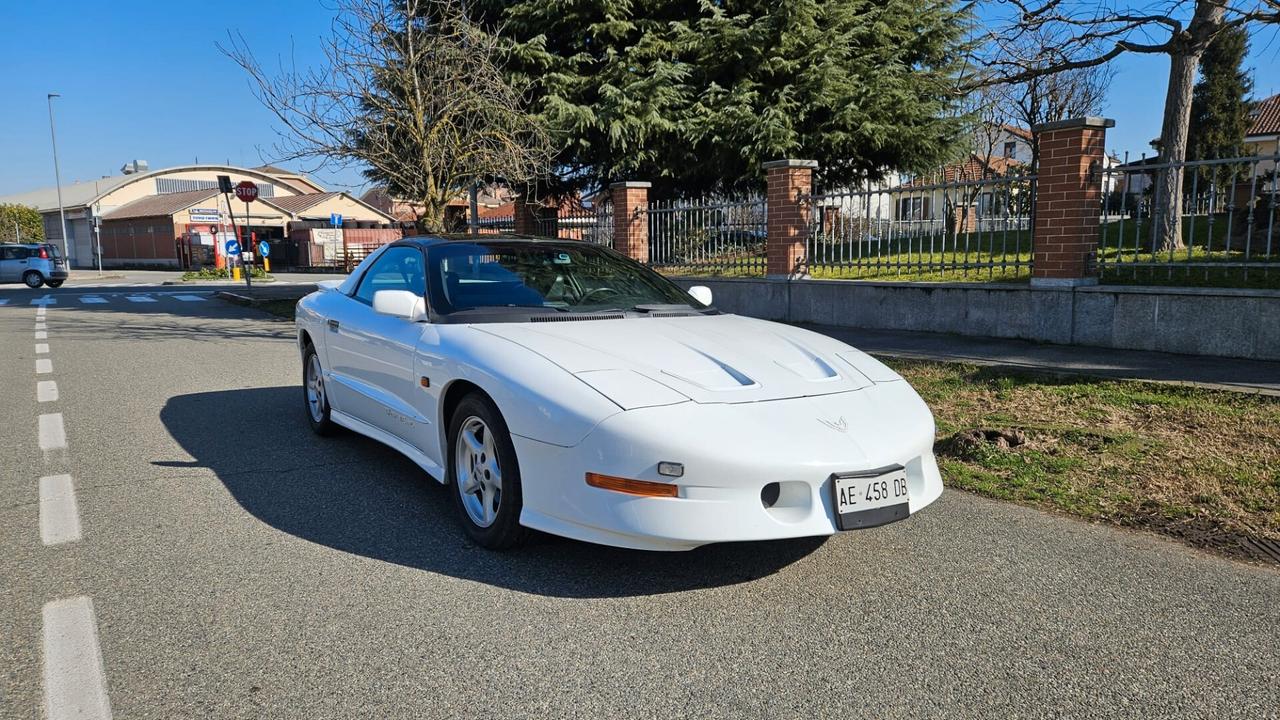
[[333, 325]]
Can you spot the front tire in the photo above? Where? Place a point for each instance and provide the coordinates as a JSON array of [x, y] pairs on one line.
[[33, 279], [315, 397], [484, 475]]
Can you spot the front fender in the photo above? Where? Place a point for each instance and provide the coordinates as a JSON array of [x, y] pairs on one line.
[[538, 399]]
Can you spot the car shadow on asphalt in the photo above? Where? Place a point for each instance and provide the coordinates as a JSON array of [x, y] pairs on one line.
[[357, 496]]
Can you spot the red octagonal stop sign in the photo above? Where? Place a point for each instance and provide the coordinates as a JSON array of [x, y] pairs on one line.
[[247, 191]]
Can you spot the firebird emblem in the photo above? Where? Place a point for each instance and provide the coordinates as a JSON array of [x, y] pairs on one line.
[[838, 425]]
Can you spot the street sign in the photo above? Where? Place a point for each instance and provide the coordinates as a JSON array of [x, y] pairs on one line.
[[264, 247], [246, 256], [335, 220], [233, 247], [224, 184], [246, 191]]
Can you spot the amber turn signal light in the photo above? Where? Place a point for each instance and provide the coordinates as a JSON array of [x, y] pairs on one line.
[[632, 487]]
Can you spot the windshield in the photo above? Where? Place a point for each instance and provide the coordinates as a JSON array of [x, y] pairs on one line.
[[560, 277]]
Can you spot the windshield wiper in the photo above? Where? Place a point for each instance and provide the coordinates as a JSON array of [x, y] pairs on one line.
[[540, 307], [663, 307]]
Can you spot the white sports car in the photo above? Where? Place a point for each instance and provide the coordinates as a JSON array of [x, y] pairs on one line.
[[560, 386]]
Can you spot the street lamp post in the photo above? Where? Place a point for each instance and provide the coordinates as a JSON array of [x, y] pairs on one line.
[[57, 176]]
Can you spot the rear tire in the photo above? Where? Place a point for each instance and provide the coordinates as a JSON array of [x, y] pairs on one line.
[[315, 397], [53, 283], [33, 279], [484, 475]]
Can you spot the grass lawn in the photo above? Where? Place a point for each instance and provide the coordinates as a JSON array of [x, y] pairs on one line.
[[1199, 465], [281, 308]]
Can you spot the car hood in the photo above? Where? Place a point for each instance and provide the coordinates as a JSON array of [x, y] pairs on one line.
[[648, 361]]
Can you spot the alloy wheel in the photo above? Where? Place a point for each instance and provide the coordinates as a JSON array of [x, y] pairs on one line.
[[315, 389], [478, 474]]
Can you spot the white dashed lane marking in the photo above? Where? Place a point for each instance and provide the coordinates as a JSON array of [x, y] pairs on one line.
[[4, 301], [46, 391], [93, 300], [188, 298], [53, 436], [41, 326], [44, 366], [139, 298], [42, 348], [42, 335], [74, 682], [46, 300], [59, 516]]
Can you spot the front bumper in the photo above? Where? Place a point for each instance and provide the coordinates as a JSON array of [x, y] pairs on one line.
[[730, 452]]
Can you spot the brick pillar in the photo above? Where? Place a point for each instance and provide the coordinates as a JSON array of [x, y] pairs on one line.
[[788, 221], [525, 217], [631, 228], [1068, 202]]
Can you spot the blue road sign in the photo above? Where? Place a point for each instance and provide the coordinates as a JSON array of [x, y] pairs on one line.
[[233, 247], [264, 247], [335, 220]]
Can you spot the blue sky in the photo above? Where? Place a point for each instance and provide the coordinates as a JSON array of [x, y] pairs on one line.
[[144, 80]]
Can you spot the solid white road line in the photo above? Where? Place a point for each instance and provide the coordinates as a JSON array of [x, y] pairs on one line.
[[44, 366], [53, 436], [42, 335], [41, 326], [92, 300], [75, 685], [42, 348], [46, 391], [188, 298], [139, 298], [59, 517]]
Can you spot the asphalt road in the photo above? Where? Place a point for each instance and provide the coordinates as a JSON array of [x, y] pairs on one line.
[[229, 564]]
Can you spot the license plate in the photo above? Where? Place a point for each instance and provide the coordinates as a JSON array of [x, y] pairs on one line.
[[868, 499]]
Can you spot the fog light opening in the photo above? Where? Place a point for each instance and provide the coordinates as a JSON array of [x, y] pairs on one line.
[[769, 494]]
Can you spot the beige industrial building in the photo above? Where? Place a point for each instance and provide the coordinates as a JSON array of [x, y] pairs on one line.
[[176, 217]]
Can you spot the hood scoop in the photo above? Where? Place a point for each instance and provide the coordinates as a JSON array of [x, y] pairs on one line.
[[723, 377], [811, 367]]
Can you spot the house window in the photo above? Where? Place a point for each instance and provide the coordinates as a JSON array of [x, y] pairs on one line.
[[1010, 149]]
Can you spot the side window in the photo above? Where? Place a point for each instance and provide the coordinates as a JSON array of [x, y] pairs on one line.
[[399, 268], [4, 253], [18, 253]]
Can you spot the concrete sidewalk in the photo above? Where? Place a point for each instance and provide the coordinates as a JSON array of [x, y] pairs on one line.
[[1254, 376]]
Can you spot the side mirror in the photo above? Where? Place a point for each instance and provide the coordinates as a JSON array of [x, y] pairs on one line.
[[701, 293], [400, 303]]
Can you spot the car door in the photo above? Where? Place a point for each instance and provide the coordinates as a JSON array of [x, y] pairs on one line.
[[13, 262], [372, 356]]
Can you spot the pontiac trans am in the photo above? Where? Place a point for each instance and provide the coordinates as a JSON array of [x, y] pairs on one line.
[[562, 387]]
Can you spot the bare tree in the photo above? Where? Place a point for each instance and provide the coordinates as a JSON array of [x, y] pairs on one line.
[[412, 92], [1093, 34], [1053, 96]]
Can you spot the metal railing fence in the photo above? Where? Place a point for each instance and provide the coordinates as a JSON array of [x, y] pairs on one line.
[[966, 229], [592, 224], [496, 225], [716, 235], [1228, 224]]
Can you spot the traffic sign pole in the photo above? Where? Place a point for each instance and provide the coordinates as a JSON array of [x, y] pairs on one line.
[[248, 269]]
